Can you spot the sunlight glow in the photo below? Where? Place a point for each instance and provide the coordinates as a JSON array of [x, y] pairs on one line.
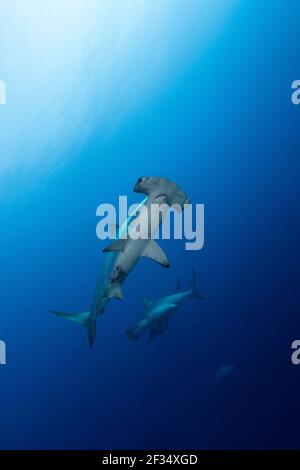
[[76, 67]]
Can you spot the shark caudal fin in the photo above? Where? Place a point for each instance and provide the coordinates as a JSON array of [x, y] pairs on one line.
[[194, 286], [83, 319]]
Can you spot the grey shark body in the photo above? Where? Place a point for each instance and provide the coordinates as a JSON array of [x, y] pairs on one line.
[[123, 254], [155, 317]]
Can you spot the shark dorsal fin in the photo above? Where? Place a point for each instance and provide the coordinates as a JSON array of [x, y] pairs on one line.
[[118, 245]]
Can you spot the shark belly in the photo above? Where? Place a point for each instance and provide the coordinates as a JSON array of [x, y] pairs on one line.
[[126, 261]]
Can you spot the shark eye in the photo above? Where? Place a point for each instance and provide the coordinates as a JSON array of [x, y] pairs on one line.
[[140, 180]]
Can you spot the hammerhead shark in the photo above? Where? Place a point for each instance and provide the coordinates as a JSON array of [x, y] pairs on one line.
[[124, 253], [155, 317]]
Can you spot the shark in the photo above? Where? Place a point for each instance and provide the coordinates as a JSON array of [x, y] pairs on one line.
[[223, 371], [122, 255], [155, 317]]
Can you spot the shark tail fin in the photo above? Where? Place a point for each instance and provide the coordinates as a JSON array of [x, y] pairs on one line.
[[194, 286], [83, 319]]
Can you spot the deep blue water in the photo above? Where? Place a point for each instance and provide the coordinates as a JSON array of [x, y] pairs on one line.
[[196, 92]]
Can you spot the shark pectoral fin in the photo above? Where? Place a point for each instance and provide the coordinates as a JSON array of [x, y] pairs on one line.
[[154, 251], [115, 292], [118, 245]]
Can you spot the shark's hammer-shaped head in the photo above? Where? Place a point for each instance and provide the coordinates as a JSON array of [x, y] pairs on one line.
[[155, 186]]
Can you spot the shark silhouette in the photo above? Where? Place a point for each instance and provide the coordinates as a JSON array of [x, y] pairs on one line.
[[124, 253], [155, 317]]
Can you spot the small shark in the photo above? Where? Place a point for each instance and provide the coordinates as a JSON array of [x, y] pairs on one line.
[[124, 253], [155, 317], [223, 371]]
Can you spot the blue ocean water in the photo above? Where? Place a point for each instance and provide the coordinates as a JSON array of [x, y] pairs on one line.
[[99, 94]]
